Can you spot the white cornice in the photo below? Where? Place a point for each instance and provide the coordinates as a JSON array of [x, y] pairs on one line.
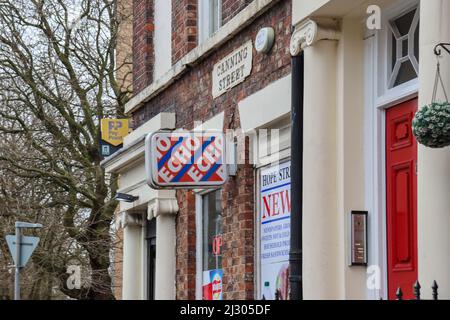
[[161, 206], [124, 157], [126, 219], [309, 33]]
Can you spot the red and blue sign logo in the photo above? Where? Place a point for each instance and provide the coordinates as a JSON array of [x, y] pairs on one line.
[[185, 159]]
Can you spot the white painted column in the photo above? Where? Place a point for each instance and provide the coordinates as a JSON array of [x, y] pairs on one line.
[[165, 270], [162, 37], [320, 211], [351, 149], [132, 258], [433, 164], [322, 270]]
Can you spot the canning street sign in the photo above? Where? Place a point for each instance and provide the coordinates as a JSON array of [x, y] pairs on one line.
[[232, 70]]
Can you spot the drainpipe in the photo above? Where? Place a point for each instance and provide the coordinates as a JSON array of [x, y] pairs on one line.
[[295, 254]]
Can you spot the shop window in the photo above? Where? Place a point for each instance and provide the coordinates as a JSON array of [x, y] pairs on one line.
[[212, 225], [404, 48], [274, 219], [209, 18]]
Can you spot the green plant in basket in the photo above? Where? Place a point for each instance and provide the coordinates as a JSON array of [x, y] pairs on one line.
[[431, 125]]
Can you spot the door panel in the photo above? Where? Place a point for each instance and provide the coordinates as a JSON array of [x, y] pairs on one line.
[[401, 199]]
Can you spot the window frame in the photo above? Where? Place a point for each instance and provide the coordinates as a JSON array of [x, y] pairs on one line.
[[283, 154], [258, 289], [199, 196], [400, 59], [386, 96], [206, 19]]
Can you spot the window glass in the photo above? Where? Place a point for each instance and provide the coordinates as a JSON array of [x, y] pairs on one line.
[[210, 18], [274, 194], [404, 22], [212, 245], [405, 73], [416, 43], [215, 16], [404, 40], [394, 53]]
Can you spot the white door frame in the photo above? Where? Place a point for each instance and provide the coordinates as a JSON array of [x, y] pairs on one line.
[[378, 98]]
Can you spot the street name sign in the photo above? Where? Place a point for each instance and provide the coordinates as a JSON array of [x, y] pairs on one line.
[[185, 159], [232, 70]]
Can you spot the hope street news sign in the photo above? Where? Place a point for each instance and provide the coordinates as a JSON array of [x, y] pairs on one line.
[[183, 159], [232, 70]]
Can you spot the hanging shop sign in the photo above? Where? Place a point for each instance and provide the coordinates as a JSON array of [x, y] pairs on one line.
[[185, 159], [112, 133], [275, 221], [232, 70], [114, 130]]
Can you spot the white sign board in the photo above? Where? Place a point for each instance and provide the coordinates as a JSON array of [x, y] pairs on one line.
[[232, 70], [275, 226], [184, 159]]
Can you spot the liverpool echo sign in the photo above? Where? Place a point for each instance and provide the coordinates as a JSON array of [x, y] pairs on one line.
[[184, 159]]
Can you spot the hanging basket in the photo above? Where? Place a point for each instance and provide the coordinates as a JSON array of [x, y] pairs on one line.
[[431, 125]]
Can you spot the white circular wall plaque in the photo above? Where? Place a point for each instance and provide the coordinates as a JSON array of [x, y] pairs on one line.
[[264, 40]]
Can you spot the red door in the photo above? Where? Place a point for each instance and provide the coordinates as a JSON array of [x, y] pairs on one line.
[[401, 202]]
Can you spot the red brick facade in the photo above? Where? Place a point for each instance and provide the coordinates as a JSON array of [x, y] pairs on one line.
[[191, 99], [185, 248], [230, 8], [184, 27], [143, 54]]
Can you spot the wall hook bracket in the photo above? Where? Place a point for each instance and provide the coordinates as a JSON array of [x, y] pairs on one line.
[[438, 48]]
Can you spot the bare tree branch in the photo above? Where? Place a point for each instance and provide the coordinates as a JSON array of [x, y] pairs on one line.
[[58, 79]]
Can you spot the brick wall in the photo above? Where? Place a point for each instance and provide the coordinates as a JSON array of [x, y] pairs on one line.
[[230, 8], [186, 100], [184, 33], [191, 99], [185, 249], [238, 235], [184, 27], [143, 53]]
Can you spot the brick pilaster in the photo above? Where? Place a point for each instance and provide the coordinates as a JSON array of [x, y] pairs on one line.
[[143, 53], [184, 27]]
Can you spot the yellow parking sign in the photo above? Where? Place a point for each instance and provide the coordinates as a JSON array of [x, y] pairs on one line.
[[114, 130]]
